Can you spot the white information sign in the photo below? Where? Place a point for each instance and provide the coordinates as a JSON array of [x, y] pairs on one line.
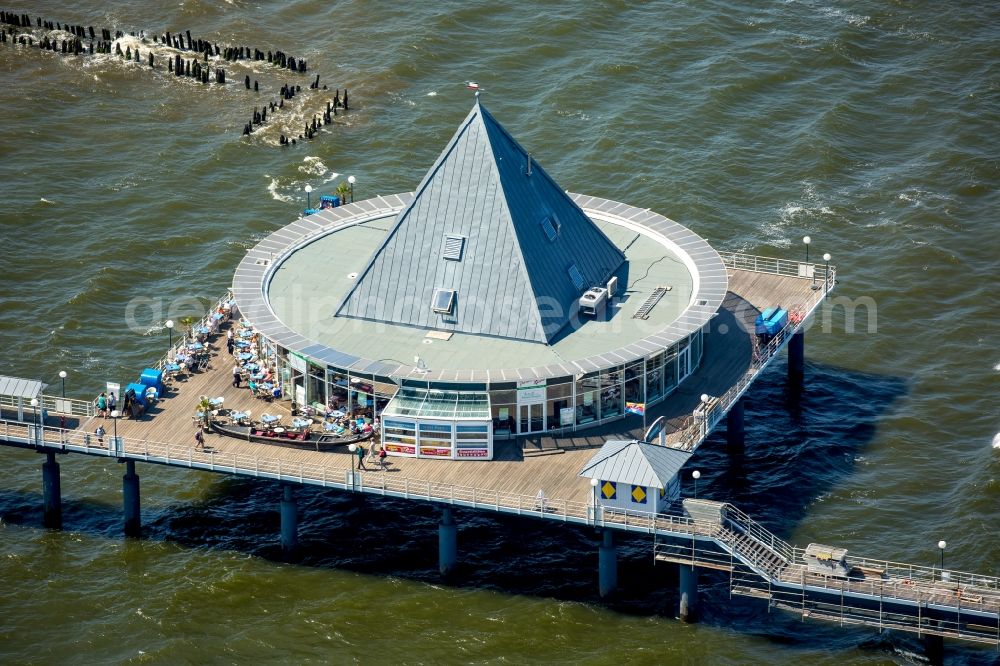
[[530, 392]]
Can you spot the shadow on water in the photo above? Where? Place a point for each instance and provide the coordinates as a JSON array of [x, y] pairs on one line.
[[796, 450]]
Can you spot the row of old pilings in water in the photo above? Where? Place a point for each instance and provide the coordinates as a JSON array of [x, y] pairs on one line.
[[310, 129], [104, 41]]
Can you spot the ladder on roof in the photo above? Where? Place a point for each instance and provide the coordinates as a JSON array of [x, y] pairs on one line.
[[654, 298]]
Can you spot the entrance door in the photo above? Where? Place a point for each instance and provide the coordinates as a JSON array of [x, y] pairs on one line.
[[683, 364], [531, 418]]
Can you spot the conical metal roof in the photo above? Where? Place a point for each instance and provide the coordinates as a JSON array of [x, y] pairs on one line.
[[490, 245]]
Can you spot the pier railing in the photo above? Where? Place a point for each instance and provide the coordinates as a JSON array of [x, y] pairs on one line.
[[54, 405], [823, 274]]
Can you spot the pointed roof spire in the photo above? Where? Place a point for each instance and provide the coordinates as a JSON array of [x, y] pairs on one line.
[[490, 245]]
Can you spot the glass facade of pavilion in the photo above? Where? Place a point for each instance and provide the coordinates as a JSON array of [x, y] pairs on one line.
[[461, 420]]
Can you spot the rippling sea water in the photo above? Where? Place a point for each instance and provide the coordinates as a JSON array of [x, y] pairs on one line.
[[130, 197]]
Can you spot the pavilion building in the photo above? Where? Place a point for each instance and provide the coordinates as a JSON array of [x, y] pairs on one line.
[[487, 304]]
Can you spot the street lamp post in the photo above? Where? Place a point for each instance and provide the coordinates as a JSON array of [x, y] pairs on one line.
[[593, 484], [826, 275], [806, 240], [351, 180], [170, 332], [942, 544], [353, 449], [696, 475], [62, 410], [34, 406], [308, 188], [114, 417]]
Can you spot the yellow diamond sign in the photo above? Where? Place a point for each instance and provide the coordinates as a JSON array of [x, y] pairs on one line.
[[609, 490], [638, 494]]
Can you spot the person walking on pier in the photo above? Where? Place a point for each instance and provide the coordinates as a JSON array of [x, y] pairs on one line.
[[361, 457], [112, 402], [230, 342], [100, 434], [102, 405], [199, 439], [236, 375]]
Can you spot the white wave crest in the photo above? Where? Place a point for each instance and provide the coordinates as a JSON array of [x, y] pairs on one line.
[[277, 196], [312, 166], [996, 441]]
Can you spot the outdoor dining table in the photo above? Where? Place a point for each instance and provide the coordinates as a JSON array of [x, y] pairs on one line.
[[195, 346], [338, 413], [301, 423], [238, 416], [202, 329], [217, 316], [250, 367], [268, 418], [182, 357], [245, 356], [216, 402], [172, 367], [246, 333], [242, 344]]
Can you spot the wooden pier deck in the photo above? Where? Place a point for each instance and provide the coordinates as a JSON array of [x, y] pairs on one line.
[[727, 358]]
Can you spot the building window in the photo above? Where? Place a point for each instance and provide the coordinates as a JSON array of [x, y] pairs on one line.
[[444, 301], [588, 404], [453, 246]]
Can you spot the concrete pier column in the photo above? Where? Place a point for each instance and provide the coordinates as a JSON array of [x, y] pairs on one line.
[[447, 543], [797, 359], [51, 492], [688, 606], [934, 649], [130, 498], [607, 564], [289, 521], [735, 434]]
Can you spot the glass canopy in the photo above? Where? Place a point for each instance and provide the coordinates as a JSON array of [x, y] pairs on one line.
[[437, 404]]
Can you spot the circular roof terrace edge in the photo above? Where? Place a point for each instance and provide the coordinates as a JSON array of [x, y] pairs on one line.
[[253, 274]]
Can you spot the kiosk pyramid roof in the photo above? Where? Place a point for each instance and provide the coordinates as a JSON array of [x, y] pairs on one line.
[[635, 462], [490, 245]]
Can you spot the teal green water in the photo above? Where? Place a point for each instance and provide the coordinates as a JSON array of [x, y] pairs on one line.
[[130, 197]]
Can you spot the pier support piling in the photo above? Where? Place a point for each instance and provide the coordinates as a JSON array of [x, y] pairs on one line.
[[688, 583], [51, 492], [934, 649], [447, 543], [735, 434], [130, 498], [607, 564], [289, 521], [796, 360]]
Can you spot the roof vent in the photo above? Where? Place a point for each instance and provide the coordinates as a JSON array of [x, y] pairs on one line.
[[453, 246], [576, 276], [550, 225], [444, 301]]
